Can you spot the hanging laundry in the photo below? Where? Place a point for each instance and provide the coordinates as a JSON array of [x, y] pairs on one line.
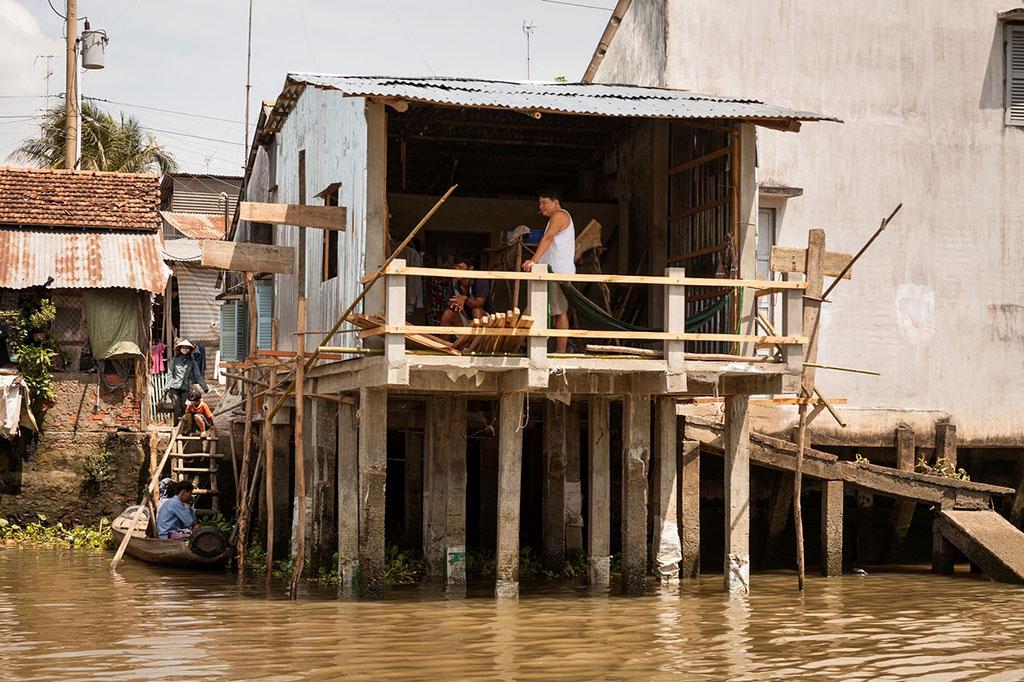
[[158, 358], [199, 354]]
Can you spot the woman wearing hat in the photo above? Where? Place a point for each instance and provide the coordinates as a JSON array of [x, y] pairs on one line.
[[182, 373]]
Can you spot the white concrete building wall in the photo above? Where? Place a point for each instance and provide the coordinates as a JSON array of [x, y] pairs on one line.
[[937, 305]]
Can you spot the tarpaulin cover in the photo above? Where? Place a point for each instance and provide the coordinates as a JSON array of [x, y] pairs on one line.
[[113, 317]]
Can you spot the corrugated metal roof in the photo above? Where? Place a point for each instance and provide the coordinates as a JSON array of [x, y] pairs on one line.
[[81, 260], [196, 225], [599, 99], [182, 250]]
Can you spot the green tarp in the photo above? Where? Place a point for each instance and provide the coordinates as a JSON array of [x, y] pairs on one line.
[[113, 318]]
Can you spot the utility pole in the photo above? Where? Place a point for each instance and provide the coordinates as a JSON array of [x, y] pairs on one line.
[[528, 29], [248, 87], [71, 87]]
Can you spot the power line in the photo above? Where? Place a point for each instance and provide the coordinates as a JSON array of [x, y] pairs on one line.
[[197, 137], [302, 14], [409, 37], [165, 111], [578, 4], [62, 16]]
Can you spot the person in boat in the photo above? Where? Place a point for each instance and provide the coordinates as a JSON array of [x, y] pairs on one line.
[[468, 298], [175, 519], [557, 250], [182, 374], [166, 491], [198, 415]]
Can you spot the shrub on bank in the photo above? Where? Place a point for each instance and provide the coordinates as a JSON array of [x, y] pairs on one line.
[[38, 534]]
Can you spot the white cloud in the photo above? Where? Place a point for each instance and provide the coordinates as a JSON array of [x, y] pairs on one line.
[[21, 39]]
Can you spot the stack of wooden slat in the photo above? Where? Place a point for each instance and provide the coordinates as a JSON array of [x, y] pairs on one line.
[[481, 342], [422, 341]]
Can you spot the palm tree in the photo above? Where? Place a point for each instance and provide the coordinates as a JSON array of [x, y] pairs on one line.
[[108, 144]]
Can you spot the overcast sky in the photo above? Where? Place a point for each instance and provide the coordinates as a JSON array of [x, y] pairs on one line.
[[189, 56]]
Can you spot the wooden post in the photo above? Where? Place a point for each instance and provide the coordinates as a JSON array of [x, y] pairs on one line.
[[413, 488], [537, 308], [242, 493], [792, 325], [945, 444], [903, 510], [658, 164], [348, 498], [394, 344], [510, 465], [636, 448], [434, 486], [675, 321], [455, 521], [373, 462], [268, 449], [599, 519], [689, 509], [553, 489], [667, 552], [325, 459], [831, 528], [573, 487], [300, 464], [737, 494]]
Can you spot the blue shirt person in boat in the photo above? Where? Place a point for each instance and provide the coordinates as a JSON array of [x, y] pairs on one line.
[[175, 516]]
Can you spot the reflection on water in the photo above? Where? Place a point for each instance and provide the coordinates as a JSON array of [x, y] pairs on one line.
[[62, 614]]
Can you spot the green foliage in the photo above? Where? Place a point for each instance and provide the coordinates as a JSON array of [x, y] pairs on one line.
[[942, 468], [481, 564], [561, 79], [97, 470], [36, 356], [108, 144], [38, 534], [224, 525], [402, 568]]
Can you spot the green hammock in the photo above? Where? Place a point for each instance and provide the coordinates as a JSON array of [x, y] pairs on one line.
[[593, 314]]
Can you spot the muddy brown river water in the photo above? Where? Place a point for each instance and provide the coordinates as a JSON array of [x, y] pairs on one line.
[[63, 615]]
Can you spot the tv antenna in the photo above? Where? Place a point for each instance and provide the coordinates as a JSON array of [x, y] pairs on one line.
[[528, 28], [49, 71]]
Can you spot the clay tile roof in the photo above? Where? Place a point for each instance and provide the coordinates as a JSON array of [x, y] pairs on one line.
[[90, 199], [196, 225]]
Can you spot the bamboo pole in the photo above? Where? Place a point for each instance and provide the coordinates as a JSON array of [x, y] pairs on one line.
[[154, 483], [300, 465], [856, 257], [241, 493], [854, 370], [366, 287], [268, 448]]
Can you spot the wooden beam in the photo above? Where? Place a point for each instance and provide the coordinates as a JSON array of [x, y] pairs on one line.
[[581, 334], [241, 257], [700, 160], [323, 217], [789, 259]]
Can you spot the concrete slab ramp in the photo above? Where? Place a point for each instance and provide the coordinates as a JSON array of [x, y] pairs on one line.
[[991, 542]]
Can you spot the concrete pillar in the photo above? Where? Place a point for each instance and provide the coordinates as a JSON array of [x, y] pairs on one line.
[[307, 463], [455, 508], [325, 461], [413, 529], [831, 528], [282, 486], [667, 552], [599, 516], [737, 494], [553, 489], [573, 488], [943, 553], [434, 486], [780, 512], [348, 498], [903, 510], [946, 444], [373, 461], [866, 552], [636, 448], [488, 492], [510, 471], [689, 509]]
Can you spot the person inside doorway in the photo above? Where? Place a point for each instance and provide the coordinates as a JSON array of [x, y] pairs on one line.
[[198, 415], [176, 518], [183, 373], [557, 250], [468, 298]]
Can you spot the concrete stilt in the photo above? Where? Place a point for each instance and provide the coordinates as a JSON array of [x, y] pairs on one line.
[[689, 509], [831, 528], [780, 512], [946, 444], [348, 498], [488, 491], [282, 485], [866, 553], [373, 461], [307, 506], [413, 529], [325, 461], [943, 553], [636, 448], [903, 510], [737, 494], [573, 488], [599, 517], [667, 552], [553, 490], [455, 509], [434, 486], [510, 467]]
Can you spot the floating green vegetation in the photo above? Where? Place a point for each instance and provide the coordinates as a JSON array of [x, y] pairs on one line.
[[39, 534]]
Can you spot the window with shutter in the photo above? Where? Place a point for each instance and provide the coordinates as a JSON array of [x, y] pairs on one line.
[[1015, 74], [234, 331], [264, 313]]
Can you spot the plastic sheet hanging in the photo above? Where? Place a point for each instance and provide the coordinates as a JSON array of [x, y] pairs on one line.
[[113, 318]]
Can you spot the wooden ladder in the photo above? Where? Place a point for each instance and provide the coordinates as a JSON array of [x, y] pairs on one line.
[[197, 466]]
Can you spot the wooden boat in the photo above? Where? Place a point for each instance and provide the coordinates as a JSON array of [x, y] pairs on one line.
[[207, 548]]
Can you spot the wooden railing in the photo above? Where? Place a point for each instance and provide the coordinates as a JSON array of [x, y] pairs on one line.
[[791, 341]]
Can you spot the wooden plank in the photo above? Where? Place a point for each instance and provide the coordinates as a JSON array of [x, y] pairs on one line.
[[323, 217], [582, 334], [700, 160], [789, 259], [695, 210], [689, 255], [593, 278], [223, 255]]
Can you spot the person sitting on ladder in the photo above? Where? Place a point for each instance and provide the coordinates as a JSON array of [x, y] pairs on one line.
[[181, 375], [557, 249], [198, 415]]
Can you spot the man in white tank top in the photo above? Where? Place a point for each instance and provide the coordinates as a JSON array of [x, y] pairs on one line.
[[557, 248]]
